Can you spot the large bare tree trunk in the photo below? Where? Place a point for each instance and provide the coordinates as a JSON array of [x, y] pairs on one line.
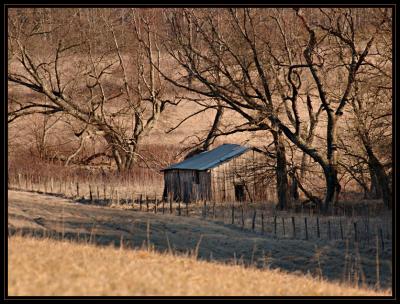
[[332, 188], [330, 171], [381, 177], [281, 171], [374, 190]]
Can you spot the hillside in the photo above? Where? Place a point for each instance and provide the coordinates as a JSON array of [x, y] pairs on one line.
[[47, 267], [31, 213]]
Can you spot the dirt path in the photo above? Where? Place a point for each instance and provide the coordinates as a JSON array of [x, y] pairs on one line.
[[55, 216]]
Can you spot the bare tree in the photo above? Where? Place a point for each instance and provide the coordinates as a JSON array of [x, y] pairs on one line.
[[98, 66], [370, 123], [330, 53]]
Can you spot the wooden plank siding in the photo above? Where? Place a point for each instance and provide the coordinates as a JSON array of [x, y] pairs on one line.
[[243, 169], [181, 185]]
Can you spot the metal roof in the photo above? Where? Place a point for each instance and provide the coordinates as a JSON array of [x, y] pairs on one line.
[[210, 159]]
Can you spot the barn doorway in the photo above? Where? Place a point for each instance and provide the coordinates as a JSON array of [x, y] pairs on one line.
[[186, 192], [239, 192]]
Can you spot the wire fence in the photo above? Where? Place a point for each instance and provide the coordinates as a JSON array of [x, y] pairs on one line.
[[361, 226]]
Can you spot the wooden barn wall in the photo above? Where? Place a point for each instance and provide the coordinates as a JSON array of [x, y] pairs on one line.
[[181, 185], [245, 169]]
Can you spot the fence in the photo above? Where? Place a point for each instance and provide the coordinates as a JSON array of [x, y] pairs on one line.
[[361, 228]]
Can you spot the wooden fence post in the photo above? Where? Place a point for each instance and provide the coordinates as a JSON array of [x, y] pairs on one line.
[[262, 223], [179, 207], [305, 226], [341, 228], [104, 192], [140, 202], [77, 189], [377, 260], [98, 194], [90, 193], [155, 205], [51, 184], [329, 230], [205, 209], [187, 208], [253, 224], [318, 234], [147, 204], [242, 217], [19, 180], [387, 231], [283, 226], [294, 227], [382, 240], [355, 232], [163, 205], [214, 210], [38, 184], [275, 225], [233, 214], [170, 205]]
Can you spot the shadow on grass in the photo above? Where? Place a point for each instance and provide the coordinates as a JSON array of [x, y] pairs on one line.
[[207, 240]]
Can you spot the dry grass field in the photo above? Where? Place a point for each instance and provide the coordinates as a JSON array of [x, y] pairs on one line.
[[211, 241], [63, 268]]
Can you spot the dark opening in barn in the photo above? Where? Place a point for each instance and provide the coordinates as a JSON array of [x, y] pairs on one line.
[[239, 192]]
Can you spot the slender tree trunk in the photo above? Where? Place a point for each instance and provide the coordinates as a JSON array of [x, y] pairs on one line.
[[304, 161], [124, 157], [126, 160], [131, 157], [309, 140], [305, 157], [294, 188], [214, 128], [117, 159], [281, 171]]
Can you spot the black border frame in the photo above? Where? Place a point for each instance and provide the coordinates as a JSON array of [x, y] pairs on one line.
[[197, 3]]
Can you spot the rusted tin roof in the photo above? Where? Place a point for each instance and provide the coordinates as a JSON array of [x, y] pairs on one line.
[[210, 159]]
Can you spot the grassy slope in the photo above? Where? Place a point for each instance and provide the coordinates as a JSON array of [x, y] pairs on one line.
[[48, 267], [219, 242]]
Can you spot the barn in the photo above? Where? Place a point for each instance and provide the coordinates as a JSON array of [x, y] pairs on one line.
[[228, 173]]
